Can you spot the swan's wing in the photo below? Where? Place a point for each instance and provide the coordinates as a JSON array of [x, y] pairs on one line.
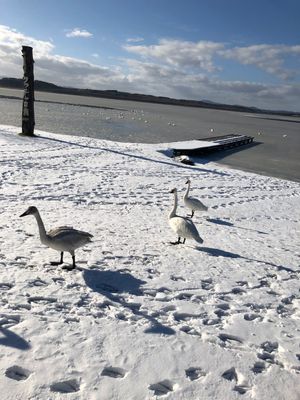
[[196, 203], [53, 232], [189, 227], [62, 232], [184, 227]]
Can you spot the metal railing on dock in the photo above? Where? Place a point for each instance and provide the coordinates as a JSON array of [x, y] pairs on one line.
[[212, 144]]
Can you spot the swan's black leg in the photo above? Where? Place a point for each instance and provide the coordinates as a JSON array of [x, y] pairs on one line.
[[183, 240], [192, 213], [73, 266], [178, 241], [58, 262]]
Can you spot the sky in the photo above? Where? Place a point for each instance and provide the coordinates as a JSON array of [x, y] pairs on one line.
[[229, 51]]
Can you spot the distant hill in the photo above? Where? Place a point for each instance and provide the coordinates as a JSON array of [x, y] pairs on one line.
[[15, 83]]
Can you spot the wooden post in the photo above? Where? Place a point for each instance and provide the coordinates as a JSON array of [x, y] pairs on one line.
[[28, 98]]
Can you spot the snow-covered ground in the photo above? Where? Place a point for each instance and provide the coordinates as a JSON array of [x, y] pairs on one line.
[[140, 318]]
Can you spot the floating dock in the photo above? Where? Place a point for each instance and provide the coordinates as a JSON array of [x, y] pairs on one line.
[[210, 145]]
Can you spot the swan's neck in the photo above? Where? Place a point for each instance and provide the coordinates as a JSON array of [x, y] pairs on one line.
[[173, 211], [187, 190], [42, 230]]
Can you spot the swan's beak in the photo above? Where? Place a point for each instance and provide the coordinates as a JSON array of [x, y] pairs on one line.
[[25, 213], [172, 191]]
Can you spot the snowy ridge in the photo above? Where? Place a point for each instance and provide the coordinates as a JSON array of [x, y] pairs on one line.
[[139, 318]]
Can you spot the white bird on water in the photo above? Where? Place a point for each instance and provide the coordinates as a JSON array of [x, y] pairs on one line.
[[182, 226], [191, 202], [63, 238]]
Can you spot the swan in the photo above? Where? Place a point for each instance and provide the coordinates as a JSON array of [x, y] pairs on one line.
[[182, 226], [192, 203], [63, 238]]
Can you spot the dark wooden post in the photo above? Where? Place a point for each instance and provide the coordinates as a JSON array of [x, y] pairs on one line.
[[28, 98]]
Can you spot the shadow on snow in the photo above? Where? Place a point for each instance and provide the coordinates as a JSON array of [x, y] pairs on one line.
[[11, 339], [221, 253], [173, 164], [113, 284]]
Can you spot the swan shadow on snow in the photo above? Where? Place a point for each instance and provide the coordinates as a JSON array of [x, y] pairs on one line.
[[177, 165], [113, 284], [11, 339], [219, 221], [222, 253], [218, 252]]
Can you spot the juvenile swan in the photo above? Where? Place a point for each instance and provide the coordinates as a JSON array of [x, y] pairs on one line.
[[183, 227], [192, 203], [64, 238]]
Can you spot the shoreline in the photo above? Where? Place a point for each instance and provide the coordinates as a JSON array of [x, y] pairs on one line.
[[276, 140]]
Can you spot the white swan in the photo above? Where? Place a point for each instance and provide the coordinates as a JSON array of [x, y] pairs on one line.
[[182, 226], [192, 203], [63, 238]]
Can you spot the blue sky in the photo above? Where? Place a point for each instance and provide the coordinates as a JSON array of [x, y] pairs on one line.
[[230, 51]]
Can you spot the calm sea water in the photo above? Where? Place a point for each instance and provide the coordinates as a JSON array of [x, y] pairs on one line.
[[275, 153]]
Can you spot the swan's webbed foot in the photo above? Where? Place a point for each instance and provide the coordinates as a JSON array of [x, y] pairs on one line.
[[58, 262], [69, 267], [177, 242]]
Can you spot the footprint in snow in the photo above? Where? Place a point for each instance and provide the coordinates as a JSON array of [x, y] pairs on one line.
[[152, 273], [230, 374], [17, 373], [269, 347], [226, 338], [189, 330], [241, 389], [114, 372], [252, 317], [8, 321], [5, 286], [177, 278], [69, 386], [221, 313], [206, 284], [41, 299], [184, 296], [268, 357], [37, 282], [163, 387], [238, 290], [194, 373], [259, 367]]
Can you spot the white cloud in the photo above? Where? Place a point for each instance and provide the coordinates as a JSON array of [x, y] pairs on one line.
[[77, 32], [171, 68], [11, 42], [134, 40], [180, 53], [66, 71], [269, 58]]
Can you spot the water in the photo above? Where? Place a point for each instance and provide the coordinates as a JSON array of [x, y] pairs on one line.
[[275, 153]]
